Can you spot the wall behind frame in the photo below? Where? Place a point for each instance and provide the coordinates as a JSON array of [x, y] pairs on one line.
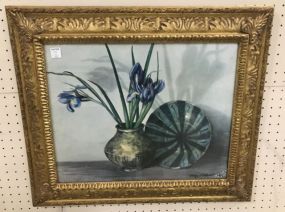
[[269, 178]]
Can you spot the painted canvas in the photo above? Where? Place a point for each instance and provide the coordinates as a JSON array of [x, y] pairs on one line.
[[141, 111]]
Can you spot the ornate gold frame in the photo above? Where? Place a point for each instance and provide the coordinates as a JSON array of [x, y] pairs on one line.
[[32, 27]]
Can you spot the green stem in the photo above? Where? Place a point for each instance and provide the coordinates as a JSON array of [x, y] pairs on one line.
[[126, 115], [93, 91], [111, 105], [148, 59], [145, 110], [138, 109], [131, 109], [135, 107], [131, 104], [133, 56]]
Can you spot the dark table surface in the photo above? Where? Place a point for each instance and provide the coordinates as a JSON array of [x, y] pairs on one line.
[[105, 171]]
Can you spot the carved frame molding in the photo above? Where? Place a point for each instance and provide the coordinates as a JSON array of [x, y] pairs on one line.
[[32, 27]]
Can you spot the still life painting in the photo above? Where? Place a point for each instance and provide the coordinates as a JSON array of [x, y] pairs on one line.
[[151, 111], [140, 104]]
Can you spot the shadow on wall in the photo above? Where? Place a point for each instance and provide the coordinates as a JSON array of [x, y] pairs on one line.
[[197, 69], [219, 146], [102, 74], [192, 84]]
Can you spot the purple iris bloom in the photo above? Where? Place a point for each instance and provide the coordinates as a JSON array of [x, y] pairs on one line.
[[72, 99], [142, 86], [136, 76], [150, 90]]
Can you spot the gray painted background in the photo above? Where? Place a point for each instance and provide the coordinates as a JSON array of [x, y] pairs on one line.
[[202, 74]]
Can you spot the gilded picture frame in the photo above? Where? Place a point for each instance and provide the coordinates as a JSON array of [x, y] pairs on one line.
[[31, 28]]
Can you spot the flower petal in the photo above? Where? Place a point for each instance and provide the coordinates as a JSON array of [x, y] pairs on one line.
[[159, 86], [135, 70], [65, 94], [147, 95], [131, 96], [139, 88], [65, 97], [63, 100], [75, 102], [136, 76], [69, 108]]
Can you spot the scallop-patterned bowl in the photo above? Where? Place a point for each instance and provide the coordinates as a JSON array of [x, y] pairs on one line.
[[180, 132]]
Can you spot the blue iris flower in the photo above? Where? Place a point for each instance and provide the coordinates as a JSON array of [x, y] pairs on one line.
[[142, 86], [137, 77], [150, 90], [72, 98]]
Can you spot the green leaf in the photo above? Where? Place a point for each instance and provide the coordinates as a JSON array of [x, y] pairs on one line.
[[135, 106], [133, 56], [119, 88], [157, 61], [138, 108], [148, 59], [132, 103], [144, 112], [112, 107], [92, 90]]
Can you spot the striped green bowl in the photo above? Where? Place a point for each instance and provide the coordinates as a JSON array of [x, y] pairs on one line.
[[180, 133]]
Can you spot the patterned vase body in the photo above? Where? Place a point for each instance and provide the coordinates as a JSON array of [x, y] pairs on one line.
[[130, 149]]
